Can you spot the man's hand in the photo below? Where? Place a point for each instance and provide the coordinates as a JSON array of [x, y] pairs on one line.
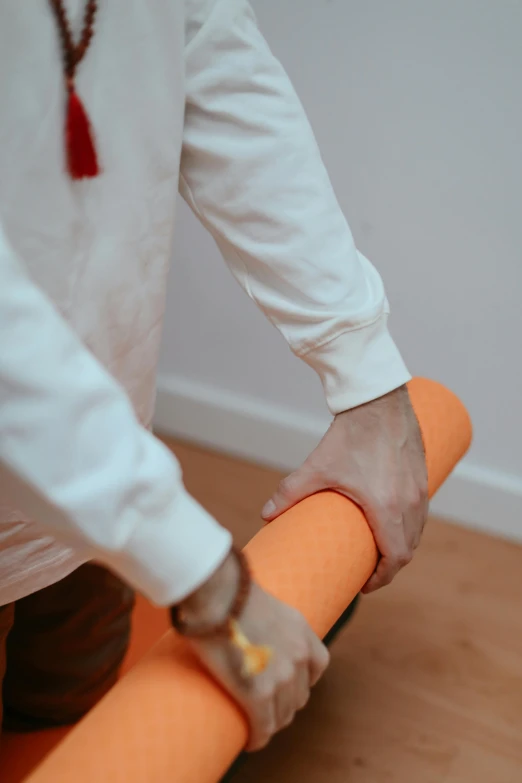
[[271, 699], [374, 455]]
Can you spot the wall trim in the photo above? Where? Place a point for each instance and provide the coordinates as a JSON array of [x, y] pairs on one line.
[[476, 497]]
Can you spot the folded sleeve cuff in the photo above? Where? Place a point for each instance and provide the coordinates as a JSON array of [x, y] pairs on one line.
[[166, 563], [358, 366]]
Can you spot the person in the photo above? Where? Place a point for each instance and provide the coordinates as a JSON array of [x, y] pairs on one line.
[[159, 97]]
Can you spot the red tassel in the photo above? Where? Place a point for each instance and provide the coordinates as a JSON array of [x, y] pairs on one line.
[[81, 152]]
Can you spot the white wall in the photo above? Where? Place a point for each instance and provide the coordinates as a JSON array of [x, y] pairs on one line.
[[417, 107]]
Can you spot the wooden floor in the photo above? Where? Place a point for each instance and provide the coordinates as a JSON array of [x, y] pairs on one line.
[[425, 684]]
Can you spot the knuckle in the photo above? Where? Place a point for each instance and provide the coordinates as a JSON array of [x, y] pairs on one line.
[[262, 727], [260, 741], [389, 505], [414, 499], [287, 720], [265, 692], [325, 662], [403, 557], [421, 485], [384, 580], [286, 676], [417, 497], [320, 655], [303, 701], [301, 654]]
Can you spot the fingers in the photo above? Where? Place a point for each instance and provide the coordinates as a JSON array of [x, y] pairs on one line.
[[263, 723], [303, 685], [387, 569], [277, 710], [291, 490], [287, 696], [397, 531], [271, 699], [292, 696]]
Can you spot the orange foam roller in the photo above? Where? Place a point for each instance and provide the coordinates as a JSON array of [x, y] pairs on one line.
[[167, 720]]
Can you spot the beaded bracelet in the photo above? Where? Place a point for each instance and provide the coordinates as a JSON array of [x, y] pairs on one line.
[[255, 657]]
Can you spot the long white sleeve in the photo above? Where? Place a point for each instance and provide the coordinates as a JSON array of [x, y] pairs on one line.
[[252, 172], [73, 454]]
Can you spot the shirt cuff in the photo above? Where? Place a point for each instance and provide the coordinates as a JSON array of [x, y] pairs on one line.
[[358, 366], [166, 566]]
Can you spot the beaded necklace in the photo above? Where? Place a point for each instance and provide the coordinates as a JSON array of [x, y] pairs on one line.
[[79, 141]]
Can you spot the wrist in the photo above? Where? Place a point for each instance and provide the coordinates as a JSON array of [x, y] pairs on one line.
[[213, 612], [210, 609], [398, 396]]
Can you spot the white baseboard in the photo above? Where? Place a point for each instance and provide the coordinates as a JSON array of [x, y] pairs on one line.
[[476, 497]]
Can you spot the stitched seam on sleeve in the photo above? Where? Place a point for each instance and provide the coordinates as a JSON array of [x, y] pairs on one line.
[[302, 352]]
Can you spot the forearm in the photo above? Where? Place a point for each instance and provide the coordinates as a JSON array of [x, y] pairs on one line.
[[252, 172], [74, 456]]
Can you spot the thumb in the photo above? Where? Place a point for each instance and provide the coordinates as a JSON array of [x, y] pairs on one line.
[[291, 490]]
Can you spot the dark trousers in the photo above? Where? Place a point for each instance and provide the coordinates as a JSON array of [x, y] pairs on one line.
[[61, 648]]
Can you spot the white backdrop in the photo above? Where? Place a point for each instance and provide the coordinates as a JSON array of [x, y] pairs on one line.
[[417, 107]]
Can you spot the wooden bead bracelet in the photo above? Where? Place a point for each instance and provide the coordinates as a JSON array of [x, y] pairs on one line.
[[255, 657]]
